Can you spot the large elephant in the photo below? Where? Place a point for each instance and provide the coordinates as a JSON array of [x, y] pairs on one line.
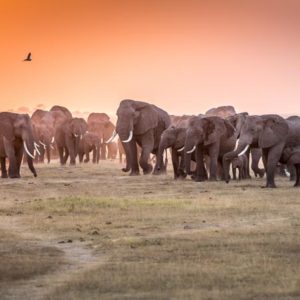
[[174, 137], [100, 124], [45, 124], [212, 136], [237, 121], [67, 137], [140, 123], [272, 134], [89, 142], [15, 136]]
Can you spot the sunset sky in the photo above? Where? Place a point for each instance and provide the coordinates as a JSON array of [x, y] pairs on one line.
[[184, 56]]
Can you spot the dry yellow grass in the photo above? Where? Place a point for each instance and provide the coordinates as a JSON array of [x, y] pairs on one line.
[[149, 237]]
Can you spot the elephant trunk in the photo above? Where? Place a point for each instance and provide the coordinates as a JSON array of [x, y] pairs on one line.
[[126, 147], [160, 155], [189, 147], [240, 148], [48, 153]]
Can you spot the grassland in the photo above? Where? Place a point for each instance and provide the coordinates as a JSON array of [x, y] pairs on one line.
[[93, 232]]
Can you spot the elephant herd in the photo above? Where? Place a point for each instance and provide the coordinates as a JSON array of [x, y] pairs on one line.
[[202, 146]]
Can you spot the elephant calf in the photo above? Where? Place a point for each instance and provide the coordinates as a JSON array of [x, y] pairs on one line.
[[240, 163], [291, 156]]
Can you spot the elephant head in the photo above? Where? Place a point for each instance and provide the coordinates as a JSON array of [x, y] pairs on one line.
[[263, 131], [18, 126], [172, 137], [135, 117]]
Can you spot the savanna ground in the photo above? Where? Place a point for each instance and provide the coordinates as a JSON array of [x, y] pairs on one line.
[[93, 232]]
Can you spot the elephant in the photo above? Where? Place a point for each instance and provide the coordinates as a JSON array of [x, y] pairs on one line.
[[15, 136], [67, 137], [140, 123], [272, 134], [240, 163], [237, 121], [221, 111], [44, 139], [89, 142], [291, 157], [174, 137], [100, 124], [45, 124], [212, 136]]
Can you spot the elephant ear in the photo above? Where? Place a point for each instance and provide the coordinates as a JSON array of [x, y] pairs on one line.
[[7, 129], [146, 118], [229, 128], [210, 132], [275, 131]]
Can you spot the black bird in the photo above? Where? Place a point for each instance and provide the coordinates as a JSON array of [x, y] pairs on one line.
[[28, 58]]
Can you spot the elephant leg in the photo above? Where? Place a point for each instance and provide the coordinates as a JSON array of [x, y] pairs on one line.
[[273, 157], [42, 156], [181, 171], [3, 167], [256, 155], [19, 156], [234, 172], [143, 161], [103, 152], [10, 152], [61, 155], [175, 163], [292, 171], [297, 183], [94, 155], [240, 173], [248, 166], [147, 143], [213, 154], [70, 145], [133, 159], [66, 154], [200, 167]]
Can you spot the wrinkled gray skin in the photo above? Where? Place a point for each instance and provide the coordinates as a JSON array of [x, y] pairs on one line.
[[147, 122], [212, 136], [89, 142], [272, 134], [240, 163], [237, 122], [15, 129], [174, 137], [291, 157], [67, 137]]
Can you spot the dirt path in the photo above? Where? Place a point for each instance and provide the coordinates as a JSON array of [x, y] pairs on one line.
[[78, 256]]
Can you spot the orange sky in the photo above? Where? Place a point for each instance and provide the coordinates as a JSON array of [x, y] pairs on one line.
[[184, 56]]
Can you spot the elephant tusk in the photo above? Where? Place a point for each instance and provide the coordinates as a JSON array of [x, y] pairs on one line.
[[51, 147], [81, 136], [44, 145], [287, 173], [181, 149], [129, 138], [36, 148], [111, 138], [27, 151], [52, 141], [236, 144], [244, 151], [76, 135], [191, 151]]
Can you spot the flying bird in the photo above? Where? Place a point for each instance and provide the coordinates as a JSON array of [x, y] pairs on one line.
[[28, 58]]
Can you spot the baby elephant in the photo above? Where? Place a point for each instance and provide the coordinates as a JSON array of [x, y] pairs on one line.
[[291, 156], [89, 142], [240, 163]]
